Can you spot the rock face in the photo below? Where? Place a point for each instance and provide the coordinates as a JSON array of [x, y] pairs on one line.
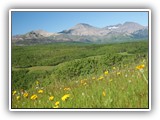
[[83, 32], [83, 29], [129, 27]]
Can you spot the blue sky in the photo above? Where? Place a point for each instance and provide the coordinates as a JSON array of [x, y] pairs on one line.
[[23, 22]]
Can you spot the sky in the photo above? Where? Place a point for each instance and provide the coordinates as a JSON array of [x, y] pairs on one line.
[[25, 21]]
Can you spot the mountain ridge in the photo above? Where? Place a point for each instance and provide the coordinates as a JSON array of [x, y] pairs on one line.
[[83, 32]]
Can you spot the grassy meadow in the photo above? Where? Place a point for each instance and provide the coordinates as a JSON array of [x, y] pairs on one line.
[[80, 75]]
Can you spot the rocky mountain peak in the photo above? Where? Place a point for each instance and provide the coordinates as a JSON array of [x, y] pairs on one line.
[[81, 29], [82, 26]]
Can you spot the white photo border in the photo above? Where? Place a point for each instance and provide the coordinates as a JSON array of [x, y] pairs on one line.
[[82, 10]]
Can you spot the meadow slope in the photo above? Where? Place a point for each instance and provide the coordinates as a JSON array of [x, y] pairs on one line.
[[77, 75]]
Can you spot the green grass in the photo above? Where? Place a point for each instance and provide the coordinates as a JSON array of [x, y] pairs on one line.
[[124, 53], [35, 68], [125, 90], [81, 75]]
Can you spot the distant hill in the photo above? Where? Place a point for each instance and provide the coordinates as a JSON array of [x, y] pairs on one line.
[[83, 32]]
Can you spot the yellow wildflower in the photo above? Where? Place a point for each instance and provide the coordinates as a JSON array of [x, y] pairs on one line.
[[100, 78], [34, 97], [118, 73], [25, 95], [67, 89], [57, 103], [51, 98], [65, 97], [106, 72], [40, 91], [85, 83], [139, 67], [93, 78], [114, 68], [18, 97], [56, 106], [82, 81], [14, 92], [104, 93]]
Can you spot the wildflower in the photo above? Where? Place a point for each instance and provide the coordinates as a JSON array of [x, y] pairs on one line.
[[37, 82], [65, 97], [67, 89], [118, 73], [129, 81], [37, 87], [25, 95], [100, 78], [126, 75], [51, 98], [56, 106], [140, 67], [85, 83], [82, 81], [40, 91], [93, 78], [18, 97], [14, 92], [106, 72], [57, 103], [104, 93], [34, 97], [114, 68]]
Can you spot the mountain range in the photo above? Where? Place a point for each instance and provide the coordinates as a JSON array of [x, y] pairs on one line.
[[82, 32]]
